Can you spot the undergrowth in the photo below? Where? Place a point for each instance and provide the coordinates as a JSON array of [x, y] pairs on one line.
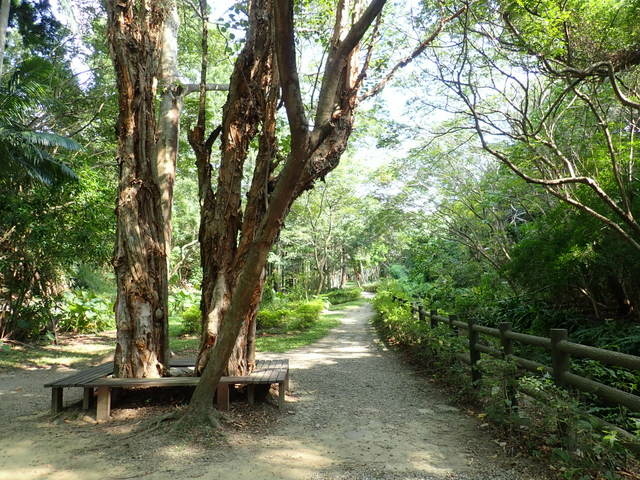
[[546, 421]]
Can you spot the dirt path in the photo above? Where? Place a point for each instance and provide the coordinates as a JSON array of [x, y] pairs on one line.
[[356, 412]]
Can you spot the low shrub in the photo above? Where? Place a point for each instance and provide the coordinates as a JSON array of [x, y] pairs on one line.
[[370, 287], [343, 295], [433, 347], [286, 316], [547, 420], [191, 320], [85, 311], [181, 299]]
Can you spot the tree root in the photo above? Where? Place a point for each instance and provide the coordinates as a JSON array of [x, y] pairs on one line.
[[153, 424], [185, 423]]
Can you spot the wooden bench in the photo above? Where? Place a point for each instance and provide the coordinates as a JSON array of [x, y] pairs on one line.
[[79, 379], [267, 372]]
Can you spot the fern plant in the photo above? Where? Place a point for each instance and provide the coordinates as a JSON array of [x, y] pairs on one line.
[[25, 151]]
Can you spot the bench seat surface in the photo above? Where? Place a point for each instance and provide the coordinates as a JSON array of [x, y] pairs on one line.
[[266, 371]]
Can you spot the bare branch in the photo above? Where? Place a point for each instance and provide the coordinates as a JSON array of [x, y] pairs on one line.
[[415, 53], [209, 87], [288, 70]]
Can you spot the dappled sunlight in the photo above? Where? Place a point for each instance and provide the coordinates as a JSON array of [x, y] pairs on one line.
[[182, 452], [352, 411], [351, 407], [324, 450], [28, 460]]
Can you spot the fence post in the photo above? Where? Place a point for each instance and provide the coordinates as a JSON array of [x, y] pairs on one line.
[[560, 363], [474, 354], [432, 318], [559, 359], [507, 351], [452, 318], [421, 313]]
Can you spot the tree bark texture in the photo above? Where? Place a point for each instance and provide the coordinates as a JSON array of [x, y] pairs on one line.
[[169, 111], [314, 153], [5, 6], [135, 37], [225, 232]]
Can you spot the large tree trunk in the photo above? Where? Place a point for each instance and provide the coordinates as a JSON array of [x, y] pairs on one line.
[[313, 154], [135, 37]]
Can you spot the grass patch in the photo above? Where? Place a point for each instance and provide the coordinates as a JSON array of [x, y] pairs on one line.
[[346, 305], [72, 352], [280, 343], [77, 351], [182, 344]]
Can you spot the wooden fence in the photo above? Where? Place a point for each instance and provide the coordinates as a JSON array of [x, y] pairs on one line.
[[558, 344]]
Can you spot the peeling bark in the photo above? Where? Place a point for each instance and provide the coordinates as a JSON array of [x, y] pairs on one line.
[[135, 38], [313, 154], [225, 233]]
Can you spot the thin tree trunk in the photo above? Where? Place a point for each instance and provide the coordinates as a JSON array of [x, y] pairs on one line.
[[5, 7], [135, 37], [343, 268], [169, 111]]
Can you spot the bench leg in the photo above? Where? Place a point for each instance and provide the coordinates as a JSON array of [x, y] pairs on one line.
[[286, 382], [87, 398], [56, 400], [223, 396], [281, 391], [251, 394], [103, 409]]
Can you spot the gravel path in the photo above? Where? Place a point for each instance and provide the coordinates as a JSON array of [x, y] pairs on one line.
[[355, 412], [358, 412]]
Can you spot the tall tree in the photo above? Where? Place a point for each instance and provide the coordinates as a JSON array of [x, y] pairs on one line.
[[267, 60], [135, 30], [539, 62], [251, 101], [4, 23]]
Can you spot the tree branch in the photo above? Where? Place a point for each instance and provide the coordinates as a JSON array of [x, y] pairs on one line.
[[288, 70], [337, 61], [209, 87], [416, 52]]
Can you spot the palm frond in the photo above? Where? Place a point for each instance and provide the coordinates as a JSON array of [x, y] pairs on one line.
[[44, 139], [24, 151]]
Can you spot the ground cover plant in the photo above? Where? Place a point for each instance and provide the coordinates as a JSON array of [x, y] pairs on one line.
[[343, 295], [542, 417]]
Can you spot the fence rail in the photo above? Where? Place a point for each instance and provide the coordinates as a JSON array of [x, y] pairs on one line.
[[557, 344]]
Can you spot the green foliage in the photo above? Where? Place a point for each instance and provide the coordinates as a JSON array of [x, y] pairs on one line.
[[498, 391], [27, 152], [584, 447], [555, 425], [285, 316], [181, 299], [191, 320], [433, 347], [85, 311], [284, 342], [343, 295], [329, 239], [370, 287]]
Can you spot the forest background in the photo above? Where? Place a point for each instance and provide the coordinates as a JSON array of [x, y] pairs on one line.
[[495, 178]]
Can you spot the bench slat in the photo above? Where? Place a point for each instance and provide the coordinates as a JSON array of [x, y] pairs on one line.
[[145, 382], [267, 371], [78, 379]]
